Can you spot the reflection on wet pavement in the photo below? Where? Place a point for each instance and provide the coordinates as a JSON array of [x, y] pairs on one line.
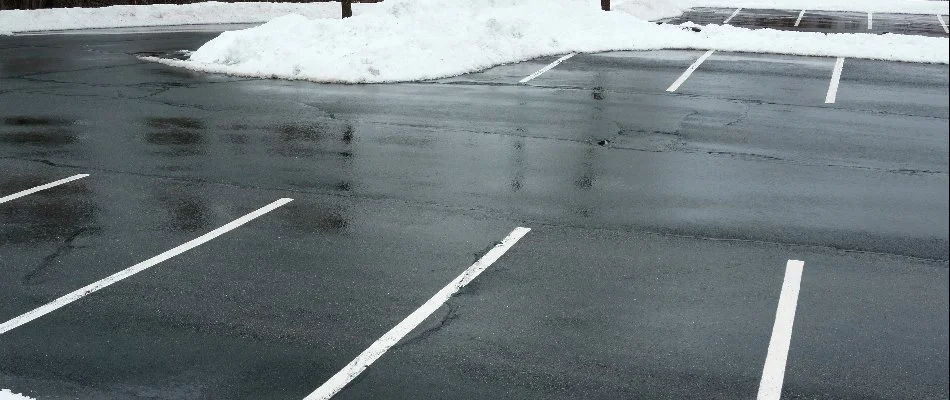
[[396, 186], [816, 21], [313, 218], [834, 22], [776, 19], [306, 139], [38, 134], [178, 136], [50, 215], [187, 208]]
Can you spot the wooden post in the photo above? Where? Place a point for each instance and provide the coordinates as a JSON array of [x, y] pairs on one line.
[[605, 5], [348, 8]]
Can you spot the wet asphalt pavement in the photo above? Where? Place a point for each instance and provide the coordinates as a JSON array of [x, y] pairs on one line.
[[661, 225], [818, 21]]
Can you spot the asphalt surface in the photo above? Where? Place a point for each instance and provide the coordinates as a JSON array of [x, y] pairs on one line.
[[661, 226], [818, 21]]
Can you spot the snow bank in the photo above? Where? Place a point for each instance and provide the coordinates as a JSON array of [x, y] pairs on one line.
[[158, 15], [231, 13], [408, 40], [6, 394]]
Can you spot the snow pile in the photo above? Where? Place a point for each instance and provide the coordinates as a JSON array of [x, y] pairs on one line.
[[6, 394], [408, 40], [158, 15], [232, 13]]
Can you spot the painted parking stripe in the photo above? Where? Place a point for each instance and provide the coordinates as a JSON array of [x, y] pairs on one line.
[[118, 276], [546, 68], [773, 374], [869, 21], [376, 350], [17, 195], [943, 23], [689, 71], [835, 78], [734, 13], [800, 15]]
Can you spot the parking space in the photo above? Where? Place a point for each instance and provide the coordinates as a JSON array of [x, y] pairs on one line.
[[702, 16], [873, 320], [908, 24], [504, 74], [601, 315], [311, 279], [818, 21], [628, 71], [834, 22], [870, 85], [762, 77], [775, 19], [667, 193], [588, 314], [916, 89]]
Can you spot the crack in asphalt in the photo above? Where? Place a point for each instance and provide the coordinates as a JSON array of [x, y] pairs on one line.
[[47, 263], [451, 314], [93, 68], [690, 95], [684, 149]]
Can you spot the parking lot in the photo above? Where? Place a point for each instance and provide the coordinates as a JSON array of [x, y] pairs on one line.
[[819, 21], [272, 231]]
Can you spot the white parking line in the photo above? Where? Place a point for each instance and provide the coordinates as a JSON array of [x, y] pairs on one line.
[[546, 68], [943, 23], [835, 78], [800, 15], [17, 195], [689, 71], [118, 276], [732, 16], [869, 21], [773, 374], [376, 350]]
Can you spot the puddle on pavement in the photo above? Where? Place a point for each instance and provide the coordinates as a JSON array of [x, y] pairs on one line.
[[22, 120], [187, 208], [51, 216], [312, 139], [41, 131], [177, 136]]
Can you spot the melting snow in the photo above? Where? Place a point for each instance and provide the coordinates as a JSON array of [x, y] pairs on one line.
[[409, 40]]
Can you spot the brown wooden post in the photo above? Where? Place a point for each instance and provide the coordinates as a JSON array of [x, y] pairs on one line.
[[605, 5], [347, 8]]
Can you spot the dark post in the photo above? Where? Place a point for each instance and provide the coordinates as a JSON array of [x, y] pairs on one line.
[[605, 5], [348, 8]]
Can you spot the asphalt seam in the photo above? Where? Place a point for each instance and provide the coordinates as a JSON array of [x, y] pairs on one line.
[[693, 150], [818, 103]]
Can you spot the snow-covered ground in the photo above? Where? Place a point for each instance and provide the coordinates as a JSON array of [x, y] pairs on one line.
[[408, 40], [6, 394], [12, 21]]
